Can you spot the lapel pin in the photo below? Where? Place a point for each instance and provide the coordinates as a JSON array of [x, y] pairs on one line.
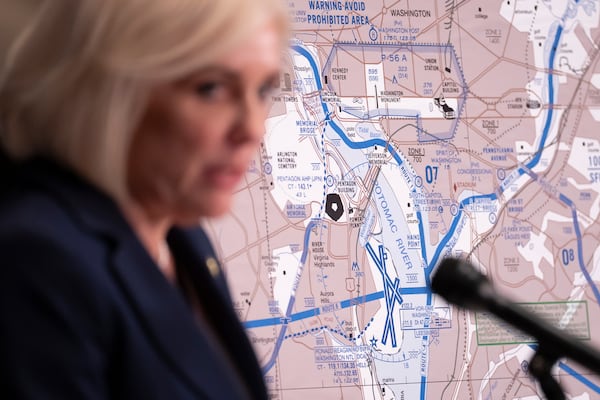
[[213, 267]]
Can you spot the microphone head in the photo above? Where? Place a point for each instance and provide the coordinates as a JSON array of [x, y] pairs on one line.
[[460, 283]]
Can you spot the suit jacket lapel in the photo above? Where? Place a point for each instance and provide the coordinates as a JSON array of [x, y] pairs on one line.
[[193, 251], [159, 307], [169, 322]]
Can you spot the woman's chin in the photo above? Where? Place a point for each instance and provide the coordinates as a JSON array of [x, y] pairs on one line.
[[217, 204]]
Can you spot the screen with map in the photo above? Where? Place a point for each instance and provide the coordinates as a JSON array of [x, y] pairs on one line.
[[403, 132]]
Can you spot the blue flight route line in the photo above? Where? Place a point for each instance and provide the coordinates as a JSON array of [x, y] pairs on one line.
[[582, 267], [362, 299], [563, 198], [453, 226], [579, 377], [315, 312], [573, 373], [286, 317], [536, 159], [580, 260]]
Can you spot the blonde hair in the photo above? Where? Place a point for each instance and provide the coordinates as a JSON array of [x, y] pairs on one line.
[[75, 82]]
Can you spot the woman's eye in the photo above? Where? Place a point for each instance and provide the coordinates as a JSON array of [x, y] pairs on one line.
[[210, 90], [266, 90]]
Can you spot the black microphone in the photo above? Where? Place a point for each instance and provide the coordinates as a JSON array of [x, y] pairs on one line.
[[459, 282]]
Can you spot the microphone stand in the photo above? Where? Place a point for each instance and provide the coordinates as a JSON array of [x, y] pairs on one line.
[[540, 367], [552, 344], [460, 283]]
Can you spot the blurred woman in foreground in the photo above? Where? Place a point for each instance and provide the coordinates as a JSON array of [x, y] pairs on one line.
[[122, 123]]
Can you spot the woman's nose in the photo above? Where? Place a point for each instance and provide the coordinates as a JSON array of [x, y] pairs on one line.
[[251, 122]]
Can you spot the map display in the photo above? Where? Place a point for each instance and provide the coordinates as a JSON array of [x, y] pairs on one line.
[[403, 132]]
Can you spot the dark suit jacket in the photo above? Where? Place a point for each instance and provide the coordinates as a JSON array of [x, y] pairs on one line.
[[86, 314]]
